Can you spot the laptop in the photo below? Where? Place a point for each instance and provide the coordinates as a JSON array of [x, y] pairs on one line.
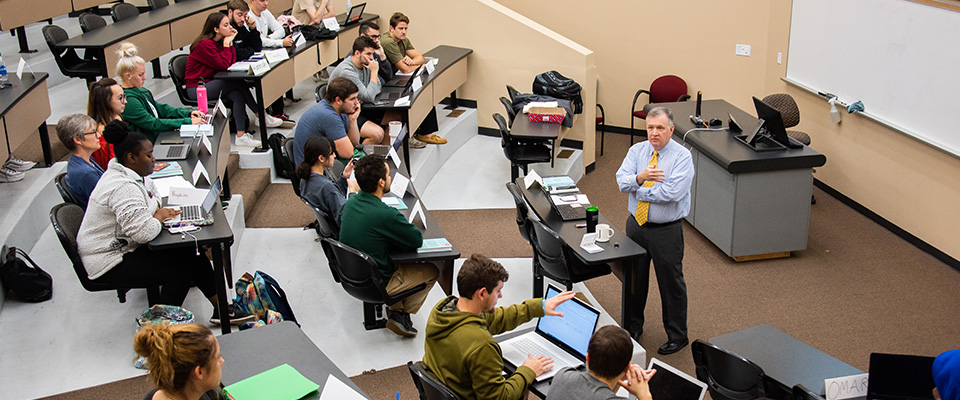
[[900, 377], [403, 80], [194, 214], [376, 149], [163, 152], [564, 340], [353, 15], [390, 94], [670, 383], [568, 212]]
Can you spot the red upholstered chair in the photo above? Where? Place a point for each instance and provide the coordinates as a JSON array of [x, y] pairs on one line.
[[665, 89]]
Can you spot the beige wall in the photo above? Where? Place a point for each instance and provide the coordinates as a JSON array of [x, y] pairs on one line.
[[507, 49], [913, 185]]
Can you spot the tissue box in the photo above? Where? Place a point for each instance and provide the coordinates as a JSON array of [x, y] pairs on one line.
[[553, 115]]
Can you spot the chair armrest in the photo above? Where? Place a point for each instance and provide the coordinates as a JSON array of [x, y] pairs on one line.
[[639, 92], [601, 112], [404, 294], [683, 98]]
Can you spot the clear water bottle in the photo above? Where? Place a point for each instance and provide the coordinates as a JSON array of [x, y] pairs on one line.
[[3, 73], [202, 97], [349, 5]]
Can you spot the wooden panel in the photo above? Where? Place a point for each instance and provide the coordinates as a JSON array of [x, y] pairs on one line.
[[346, 39], [25, 117], [329, 51], [223, 152], [305, 64], [422, 107], [277, 82], [153, 44], [450, 80], [17, 13], [277, 7], [184, 30], [80, 5]]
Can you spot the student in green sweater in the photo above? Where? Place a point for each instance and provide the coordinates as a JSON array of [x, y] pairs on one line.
[[459, 348], [369, 225], [143, 113]]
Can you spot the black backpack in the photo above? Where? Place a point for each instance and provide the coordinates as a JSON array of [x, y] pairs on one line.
[[552, 84], [311, 32], [281, 160], [32, 285]]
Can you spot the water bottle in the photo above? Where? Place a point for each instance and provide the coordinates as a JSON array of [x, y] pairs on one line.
[[349, 5], [3, 73], [202, 96]]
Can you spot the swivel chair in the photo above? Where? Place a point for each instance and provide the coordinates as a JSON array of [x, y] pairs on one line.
[[727, 375], [555, 260], [429, 386], [90, 21], [791, 114], [326, 228], [155, 4], [69, 63], [60, 181], [665, 89], [122, 11], [519, 154]]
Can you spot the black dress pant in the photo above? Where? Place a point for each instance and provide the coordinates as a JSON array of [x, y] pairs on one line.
[[664, 244], [175, 270]]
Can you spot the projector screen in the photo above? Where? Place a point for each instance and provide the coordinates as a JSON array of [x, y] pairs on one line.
[[899, 57]]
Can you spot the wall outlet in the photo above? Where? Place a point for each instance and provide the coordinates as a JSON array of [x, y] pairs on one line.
[[743, 50]]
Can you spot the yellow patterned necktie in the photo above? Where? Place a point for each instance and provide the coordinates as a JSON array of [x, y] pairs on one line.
[[643, 207]]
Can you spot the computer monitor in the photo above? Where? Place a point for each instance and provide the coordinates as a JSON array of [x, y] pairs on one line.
[[772, 122]]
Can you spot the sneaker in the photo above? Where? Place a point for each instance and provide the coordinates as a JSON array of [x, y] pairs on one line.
[[17, 164], [237, 316], [9, 175], [284, 117], [272, 122], [247, 141], [431, 139], [287, 124], [401, 324], [416, 144]]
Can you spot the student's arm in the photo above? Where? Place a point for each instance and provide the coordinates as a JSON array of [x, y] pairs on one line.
[[402, 67], [404, 234], [325, 10], [414, 58], [209, 55], [353, 130], [344, 147], [503, 319], [486, 367], [134, 215]]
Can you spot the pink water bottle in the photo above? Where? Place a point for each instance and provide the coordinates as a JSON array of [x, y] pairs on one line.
[[202, 97]]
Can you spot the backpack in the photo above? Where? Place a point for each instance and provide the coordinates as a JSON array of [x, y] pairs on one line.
[[32, 285], [311, 32], [281, 159], [552, 84], [261, 295]]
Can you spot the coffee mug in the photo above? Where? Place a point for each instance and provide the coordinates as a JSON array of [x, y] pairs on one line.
[[604, 232]]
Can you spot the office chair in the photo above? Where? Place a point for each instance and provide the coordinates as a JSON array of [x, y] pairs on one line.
[[555, 260], [603, 127], [288, 150], [523, 213], [429, 387], [155, 4], [512, 93], [69, 63], [800, 392], [90, 21], [326, 228], [511, 113], [519, 154], [361, 279], [121, 11], [665, 89], [60, 181], [727, 375], [791, 114], [66, 218]]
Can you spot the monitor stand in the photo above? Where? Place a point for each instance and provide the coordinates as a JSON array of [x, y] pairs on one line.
[[762, 143]]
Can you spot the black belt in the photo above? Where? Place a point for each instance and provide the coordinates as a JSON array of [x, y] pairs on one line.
[[660, 225]]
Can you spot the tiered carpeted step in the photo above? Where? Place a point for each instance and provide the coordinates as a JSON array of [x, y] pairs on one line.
[[248, 182]]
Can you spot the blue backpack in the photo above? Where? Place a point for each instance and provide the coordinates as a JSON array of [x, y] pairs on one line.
[[261, 295]]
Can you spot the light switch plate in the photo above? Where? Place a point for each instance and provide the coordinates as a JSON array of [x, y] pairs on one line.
[[743, 50]]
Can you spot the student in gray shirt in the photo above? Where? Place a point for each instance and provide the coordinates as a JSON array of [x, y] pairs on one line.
[[608, 368], [361, 69]]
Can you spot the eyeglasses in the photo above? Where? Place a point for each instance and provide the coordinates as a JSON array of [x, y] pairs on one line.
[[91, 133], [122, 98]]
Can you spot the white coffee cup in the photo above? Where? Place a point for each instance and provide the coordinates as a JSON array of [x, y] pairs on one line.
[[394, 130], [604, 232]]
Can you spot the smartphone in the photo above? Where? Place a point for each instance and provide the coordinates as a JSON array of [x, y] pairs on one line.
[[353, 161], [171, 141]]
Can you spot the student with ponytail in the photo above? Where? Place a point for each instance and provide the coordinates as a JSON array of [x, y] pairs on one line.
[[142, 112], [184, 360], [317, 188], [123, 214]]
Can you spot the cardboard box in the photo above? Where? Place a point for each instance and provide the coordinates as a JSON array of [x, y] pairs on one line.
[[553, 115]]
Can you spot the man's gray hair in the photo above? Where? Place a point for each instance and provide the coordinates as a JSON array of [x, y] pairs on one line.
[[658, 111], [74, 126]]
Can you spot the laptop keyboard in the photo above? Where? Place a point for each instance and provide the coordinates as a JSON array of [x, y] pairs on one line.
[[176, 151], [190, 213], [376, 149], [567, 212], [527, 346]]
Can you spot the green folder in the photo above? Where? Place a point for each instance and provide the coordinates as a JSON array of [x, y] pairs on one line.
[[280, 383]]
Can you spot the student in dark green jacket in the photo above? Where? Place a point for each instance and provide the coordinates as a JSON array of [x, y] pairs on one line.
[[369, 225], [143, 112]]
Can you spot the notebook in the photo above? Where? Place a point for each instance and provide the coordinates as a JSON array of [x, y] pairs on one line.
[[900, 377], [671, 383], [175, 151], [564, 339], [193, 214]]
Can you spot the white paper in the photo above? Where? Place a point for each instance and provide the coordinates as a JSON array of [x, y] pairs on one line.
[[392, 153], [22, 65], [399, 185], [331, 24], [189, 131], [240, 66], [846, 387], [402, 102], [570, 199], [164, 185], [274, 56], [391, 201], [417, 210], [430, 67], [200, 171], [335, 389], [299, 40], [206, 144], [417, 84], [528, 106], [222, 108], [589, 244], [582, 199], [181, 196], [259, 67], [532, 177]]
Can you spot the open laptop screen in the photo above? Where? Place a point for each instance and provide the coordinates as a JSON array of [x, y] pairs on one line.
[[212, 196], [575, 328], [900, 377], [671, 383]]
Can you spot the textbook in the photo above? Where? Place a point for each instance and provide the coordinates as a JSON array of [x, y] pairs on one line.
[[559, 184], [280, 383], [170, 169], [435, 245]]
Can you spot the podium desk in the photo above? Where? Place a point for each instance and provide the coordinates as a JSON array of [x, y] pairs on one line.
[[750, 204]]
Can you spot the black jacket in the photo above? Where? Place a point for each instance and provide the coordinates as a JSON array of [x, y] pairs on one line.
[[247, 41]]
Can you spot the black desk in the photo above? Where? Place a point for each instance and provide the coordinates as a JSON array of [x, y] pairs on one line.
[[256, 350], [24, 108], [447, 76], [627, 252], [783, 358], [751, 205], [217, 236], [522, 128]]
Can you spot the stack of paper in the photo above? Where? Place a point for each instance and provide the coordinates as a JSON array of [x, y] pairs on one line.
[[394, 202], [171, 169], [435, 245]]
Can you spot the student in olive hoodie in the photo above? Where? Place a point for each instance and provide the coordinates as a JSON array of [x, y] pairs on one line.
[[459, 348]]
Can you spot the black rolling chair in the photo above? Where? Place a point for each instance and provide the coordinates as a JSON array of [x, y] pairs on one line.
[[361, 279], [178, 73], [90, 21], [155, 4], [69, 63], [727, 375], [60, 182], [801, 392], [288, 152], [512, 92], [556, 260], [511, 113], [520, 155], [523, 213], [326, 228], [122, 11], [66, 219], [429, 386], [602, 125]]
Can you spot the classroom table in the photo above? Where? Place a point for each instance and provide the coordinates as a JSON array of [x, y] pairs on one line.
[[619, 248], [24, 108], [252, 351], [522, 128], [16, 14], [751, 205]]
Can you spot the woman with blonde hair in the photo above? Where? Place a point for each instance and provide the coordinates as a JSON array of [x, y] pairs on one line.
[[105, 103], [143, 112], [184, 360]]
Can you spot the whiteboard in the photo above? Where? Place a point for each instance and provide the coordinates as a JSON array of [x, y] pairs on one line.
[[899, 57]]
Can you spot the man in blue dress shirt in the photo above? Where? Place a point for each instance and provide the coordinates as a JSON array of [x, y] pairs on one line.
[[657, 175]]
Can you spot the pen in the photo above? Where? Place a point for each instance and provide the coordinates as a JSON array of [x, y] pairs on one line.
[[581, 225]]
